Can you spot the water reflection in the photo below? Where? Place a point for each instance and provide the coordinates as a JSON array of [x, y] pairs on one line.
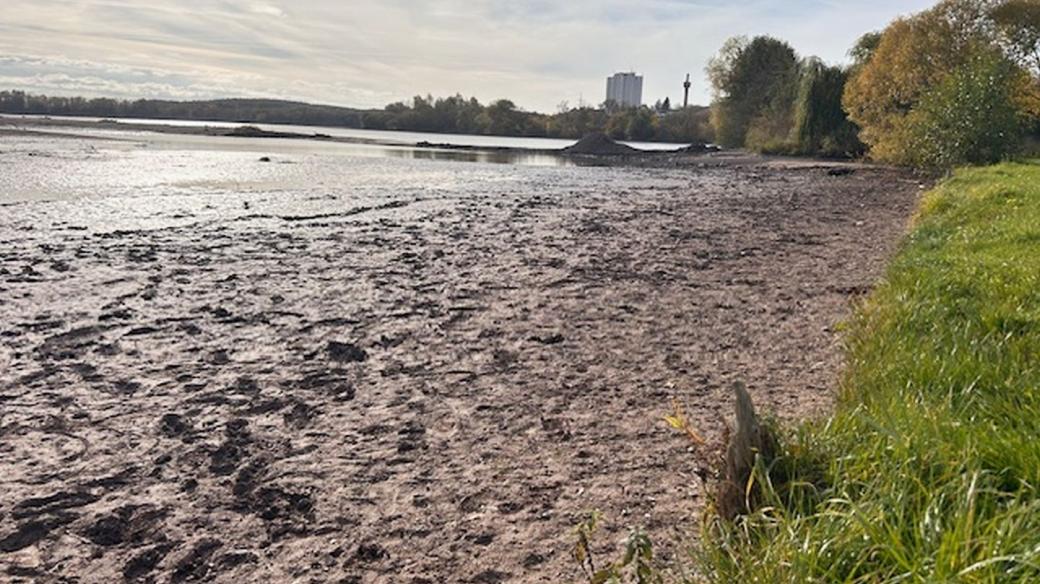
[[493, 157]]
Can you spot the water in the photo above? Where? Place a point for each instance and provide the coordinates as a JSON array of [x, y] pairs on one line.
[[106, 180], [382, 136]]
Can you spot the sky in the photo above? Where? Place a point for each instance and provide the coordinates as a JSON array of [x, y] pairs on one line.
[[367, 53]]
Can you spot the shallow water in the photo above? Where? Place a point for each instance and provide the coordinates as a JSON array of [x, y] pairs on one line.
[[105, 180], [382, 136]]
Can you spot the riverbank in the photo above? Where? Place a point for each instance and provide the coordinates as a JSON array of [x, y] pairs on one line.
[[929, 469], [368, 370]]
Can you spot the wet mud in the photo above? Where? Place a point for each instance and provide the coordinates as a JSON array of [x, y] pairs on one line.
[[423, 392]]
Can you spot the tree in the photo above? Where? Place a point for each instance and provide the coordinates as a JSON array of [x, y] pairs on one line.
[[692, 124], [864, 48], [640, 125], [617, 124], [1018, 24], [913, 56], [754, 84], [504, 119], [821, 126]]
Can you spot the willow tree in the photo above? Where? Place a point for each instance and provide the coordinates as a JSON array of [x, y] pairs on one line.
[[821, 125]]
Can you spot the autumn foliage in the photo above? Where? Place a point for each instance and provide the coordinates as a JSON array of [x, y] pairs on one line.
[[956, 84]]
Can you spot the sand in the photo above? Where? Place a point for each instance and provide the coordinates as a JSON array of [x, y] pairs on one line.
[[418, 392]]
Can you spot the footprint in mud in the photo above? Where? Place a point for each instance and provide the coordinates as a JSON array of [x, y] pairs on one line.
[[31, 532], [60, 501], [71, 344], [247, 386], [332, 382], [345, 352], [126, 386], [174, 426], [370, 552], [300, 415], [284, 511], [411, 437], [129, 524], [491, 577], [219, 357], [230, 454], [196, 566], [143, 563]]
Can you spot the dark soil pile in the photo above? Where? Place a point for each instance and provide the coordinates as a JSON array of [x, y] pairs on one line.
[[700, 148], [599, 144]]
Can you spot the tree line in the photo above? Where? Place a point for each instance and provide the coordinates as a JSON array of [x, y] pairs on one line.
[[956, 84], [454, 114], [267, 111]]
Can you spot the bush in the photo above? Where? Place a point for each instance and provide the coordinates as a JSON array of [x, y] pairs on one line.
[[910, 69], [971, 118]]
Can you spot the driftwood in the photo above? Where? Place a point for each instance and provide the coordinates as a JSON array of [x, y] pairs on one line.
[[746, 441]]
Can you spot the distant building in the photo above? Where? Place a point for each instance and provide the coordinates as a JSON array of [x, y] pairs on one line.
[[625, 89]]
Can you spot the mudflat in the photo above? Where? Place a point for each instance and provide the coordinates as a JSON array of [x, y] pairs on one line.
[[421, 390]]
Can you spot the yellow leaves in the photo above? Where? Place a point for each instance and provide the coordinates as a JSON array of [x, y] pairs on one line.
[[914, 57], [1027, 95], [678, 421]]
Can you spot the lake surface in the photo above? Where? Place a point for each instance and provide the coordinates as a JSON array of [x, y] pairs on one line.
[[74, 163], [382, 136], [103, 180]]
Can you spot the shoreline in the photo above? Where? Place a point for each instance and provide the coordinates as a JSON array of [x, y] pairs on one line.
[[645, 158]]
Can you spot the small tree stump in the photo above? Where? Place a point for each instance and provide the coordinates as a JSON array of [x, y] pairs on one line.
[[747, 440]]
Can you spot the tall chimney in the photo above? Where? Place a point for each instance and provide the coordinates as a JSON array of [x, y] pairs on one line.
[[686, 92]]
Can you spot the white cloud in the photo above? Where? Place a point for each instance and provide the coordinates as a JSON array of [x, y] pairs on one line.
[[370, 52], [268, 9]]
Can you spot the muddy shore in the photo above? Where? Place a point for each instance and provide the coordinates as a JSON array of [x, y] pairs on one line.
[[415, 392]]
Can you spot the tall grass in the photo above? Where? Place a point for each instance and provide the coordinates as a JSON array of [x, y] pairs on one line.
[[929, 469]]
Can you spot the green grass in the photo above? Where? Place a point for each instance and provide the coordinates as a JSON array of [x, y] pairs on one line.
[[929, 469]]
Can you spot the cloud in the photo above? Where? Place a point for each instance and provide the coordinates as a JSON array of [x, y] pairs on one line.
[[370, 52], [268, 9]]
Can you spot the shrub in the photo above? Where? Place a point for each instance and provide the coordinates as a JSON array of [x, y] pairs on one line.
[[971, 118], [912, 61]]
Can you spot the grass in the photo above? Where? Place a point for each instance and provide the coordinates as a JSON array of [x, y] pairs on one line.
[[929, 469]]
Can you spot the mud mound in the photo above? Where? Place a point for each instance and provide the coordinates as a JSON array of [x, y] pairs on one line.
[[599, 144], [700, 148]]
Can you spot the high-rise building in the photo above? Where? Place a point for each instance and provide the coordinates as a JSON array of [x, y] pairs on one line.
[[625, 89]]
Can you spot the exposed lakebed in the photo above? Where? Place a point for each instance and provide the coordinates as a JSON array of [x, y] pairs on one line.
[[339, 368]]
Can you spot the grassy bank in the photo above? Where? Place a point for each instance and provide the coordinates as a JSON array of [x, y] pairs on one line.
[[929, 470]]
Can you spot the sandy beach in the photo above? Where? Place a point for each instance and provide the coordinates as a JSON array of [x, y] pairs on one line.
[[424, 389]]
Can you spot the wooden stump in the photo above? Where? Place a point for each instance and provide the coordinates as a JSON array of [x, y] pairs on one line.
[[746, 441]]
